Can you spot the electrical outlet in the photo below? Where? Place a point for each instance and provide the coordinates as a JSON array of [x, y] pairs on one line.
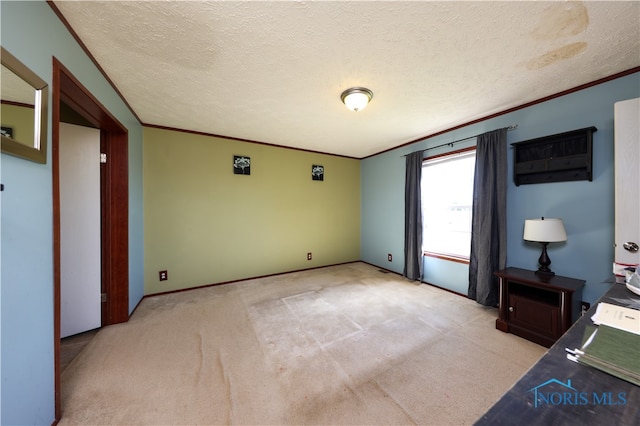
[[309, 256], [163, 275], [389, 257], [584, 307]]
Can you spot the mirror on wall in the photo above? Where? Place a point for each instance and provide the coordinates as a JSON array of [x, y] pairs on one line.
[[23, 115]]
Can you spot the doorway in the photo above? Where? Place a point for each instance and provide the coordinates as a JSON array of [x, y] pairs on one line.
[[80, 257], [627, 193], [72, 102]]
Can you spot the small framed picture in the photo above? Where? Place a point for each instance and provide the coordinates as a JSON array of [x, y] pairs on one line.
[[317, 172], [241, 165], [7, 131]]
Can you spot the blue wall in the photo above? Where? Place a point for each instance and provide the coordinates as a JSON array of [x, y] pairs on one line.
[[587, 208], [34, 34]]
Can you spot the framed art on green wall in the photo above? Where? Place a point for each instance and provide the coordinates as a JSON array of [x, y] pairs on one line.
[[241, 165], [317, 172]]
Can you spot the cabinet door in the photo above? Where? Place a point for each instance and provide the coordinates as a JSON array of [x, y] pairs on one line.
[[627, 178], [538, 317]]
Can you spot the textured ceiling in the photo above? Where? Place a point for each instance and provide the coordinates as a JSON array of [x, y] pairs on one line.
[[15, 89], [273, 72]]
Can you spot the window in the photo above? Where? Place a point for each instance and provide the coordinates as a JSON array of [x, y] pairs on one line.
[[447, 198]]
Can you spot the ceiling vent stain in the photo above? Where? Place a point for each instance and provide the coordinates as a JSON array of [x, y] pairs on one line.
[[564, 19], [560, 54]]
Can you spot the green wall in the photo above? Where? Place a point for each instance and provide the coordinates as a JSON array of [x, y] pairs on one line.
[[206, 225], [20, 119]]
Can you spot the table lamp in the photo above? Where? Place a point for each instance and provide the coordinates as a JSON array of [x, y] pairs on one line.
[[544, 231]]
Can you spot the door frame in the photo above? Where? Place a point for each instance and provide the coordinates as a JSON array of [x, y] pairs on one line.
[[114, 191]]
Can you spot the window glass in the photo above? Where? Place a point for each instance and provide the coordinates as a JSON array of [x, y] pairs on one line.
[[447, 197]]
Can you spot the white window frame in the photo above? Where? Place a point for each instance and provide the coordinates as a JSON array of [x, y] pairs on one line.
[[441, 183]]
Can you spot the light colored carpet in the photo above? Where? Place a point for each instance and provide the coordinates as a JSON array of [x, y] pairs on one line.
[[346, 344]]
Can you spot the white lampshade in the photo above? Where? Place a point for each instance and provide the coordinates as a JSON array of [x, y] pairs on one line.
[[356, 98], [544, 230]]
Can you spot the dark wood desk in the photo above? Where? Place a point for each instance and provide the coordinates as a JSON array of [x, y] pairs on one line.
[[579, 407]]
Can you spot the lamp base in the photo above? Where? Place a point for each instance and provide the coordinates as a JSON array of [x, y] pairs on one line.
[[545, 274], [544, 261]]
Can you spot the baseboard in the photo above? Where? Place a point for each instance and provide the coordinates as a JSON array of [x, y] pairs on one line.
[[380, 267], [244, 279], [446, 289], [421, 281]]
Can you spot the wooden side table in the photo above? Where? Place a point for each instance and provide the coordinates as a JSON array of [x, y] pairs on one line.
[[538, 309]]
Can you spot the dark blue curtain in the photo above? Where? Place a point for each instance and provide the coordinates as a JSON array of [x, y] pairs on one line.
[[413, 217], [489, 220]]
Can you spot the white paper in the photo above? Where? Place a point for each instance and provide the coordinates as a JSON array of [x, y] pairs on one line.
[[619, 317]]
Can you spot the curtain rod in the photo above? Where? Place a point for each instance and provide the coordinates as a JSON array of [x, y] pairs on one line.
[[512, 127]]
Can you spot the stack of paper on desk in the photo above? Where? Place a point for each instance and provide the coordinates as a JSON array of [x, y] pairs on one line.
[[614, 346], [619, 317]]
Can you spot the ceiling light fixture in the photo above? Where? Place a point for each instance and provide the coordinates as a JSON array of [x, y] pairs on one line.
[[356, 98]]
